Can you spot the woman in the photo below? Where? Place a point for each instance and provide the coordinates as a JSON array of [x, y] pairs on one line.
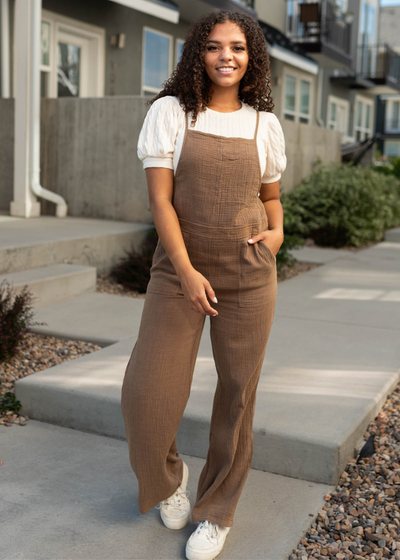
[[213, 153]]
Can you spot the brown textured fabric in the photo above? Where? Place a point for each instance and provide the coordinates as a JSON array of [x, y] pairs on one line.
[[216, 188]]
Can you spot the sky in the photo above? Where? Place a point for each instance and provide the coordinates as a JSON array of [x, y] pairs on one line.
[[390, 2]]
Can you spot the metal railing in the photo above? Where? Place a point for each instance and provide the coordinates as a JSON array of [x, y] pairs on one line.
[[378, 62], [312, 22]]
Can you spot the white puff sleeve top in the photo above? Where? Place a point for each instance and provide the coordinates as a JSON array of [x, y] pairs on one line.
[[161, 137]]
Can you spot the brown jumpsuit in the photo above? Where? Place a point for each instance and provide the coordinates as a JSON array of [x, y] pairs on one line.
[[216, 188]]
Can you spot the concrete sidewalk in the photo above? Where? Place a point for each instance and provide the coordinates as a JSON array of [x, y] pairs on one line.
[[332, 358], [71, 495]]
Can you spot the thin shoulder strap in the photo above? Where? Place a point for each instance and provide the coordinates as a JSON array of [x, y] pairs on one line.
[[186, 120], [258, 118]]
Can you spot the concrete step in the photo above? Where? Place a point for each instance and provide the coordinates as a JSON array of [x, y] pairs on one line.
[[52, 284], [44, 241], [76, 498], [393, 235], [332, 358]]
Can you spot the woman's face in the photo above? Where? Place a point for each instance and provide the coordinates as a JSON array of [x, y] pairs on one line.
[[226, 56]]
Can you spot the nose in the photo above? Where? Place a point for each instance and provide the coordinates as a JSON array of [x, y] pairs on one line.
[[225, 54]]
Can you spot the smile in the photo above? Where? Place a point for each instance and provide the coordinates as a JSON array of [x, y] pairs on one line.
[[226, 70]]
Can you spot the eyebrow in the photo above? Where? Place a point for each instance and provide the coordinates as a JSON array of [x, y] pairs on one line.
[[232, 42]]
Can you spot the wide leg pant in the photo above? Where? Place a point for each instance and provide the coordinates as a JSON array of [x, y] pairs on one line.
[[156, 389]]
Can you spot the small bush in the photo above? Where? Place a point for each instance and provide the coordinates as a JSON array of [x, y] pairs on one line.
[[16, 315], [391, 167], [133, 271], [8, 403], [342, 204]]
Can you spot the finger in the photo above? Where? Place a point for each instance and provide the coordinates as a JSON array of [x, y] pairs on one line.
[[254, 239], [211, 294], [207, 307]]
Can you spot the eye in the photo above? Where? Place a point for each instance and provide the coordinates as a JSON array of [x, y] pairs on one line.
[[211, 47], [240, 48]]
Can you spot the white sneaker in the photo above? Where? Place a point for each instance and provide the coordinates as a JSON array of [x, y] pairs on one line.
[[206, 542], [175, 510]]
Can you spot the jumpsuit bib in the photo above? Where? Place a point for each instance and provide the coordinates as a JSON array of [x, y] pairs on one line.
[[216, 188]]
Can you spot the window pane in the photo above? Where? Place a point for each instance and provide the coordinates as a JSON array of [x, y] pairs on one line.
[[156, 59], [304, 97], [290, 93], [367, 115], [359, 113], [396, 114], [44, 83], [179, 48], [333, 111], [289, 117], [69, 59], [45, 43]]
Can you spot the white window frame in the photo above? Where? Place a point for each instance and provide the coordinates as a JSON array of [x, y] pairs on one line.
[[335, 125], [385, 147], [389, 115], [365, 132], [151, 89], [93, 68], [296, 113], [178, 42]]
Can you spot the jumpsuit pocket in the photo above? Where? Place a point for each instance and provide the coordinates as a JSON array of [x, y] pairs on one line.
[[257, 277], [264, 247]]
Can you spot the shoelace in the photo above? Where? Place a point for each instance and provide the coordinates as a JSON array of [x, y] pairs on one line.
[[175, 501], [208, 529]]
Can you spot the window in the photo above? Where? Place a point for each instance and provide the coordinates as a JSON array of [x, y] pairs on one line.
[[72, 57], [392, 148], [297, 100], [362, 119], [392, 123], [179, 47], [366, 62], [338, 116], [157, 59]]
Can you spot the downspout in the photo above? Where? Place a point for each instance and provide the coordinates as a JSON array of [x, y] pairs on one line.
[[34, 140], [5, 49], [319, 97]]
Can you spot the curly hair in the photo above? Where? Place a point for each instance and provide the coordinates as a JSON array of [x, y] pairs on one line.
[[190, 81]]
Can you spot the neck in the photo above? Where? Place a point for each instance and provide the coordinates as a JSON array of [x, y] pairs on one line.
[[225, 99]]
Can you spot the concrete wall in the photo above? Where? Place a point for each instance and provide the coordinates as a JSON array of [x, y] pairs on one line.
[[88, 155], [304, 143], [6, 152]]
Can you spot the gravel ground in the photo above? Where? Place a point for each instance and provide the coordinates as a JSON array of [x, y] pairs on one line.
[[361, 518], [37, 352]]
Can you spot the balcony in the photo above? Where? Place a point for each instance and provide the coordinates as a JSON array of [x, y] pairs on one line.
[[322, 31], [381, 65]]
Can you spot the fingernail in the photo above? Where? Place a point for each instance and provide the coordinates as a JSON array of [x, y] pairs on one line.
[[215, 299], [250, 240], [215, 314]]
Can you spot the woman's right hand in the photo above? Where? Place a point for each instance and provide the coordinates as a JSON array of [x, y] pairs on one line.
[[196, 288]]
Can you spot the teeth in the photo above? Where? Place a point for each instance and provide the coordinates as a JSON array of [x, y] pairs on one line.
[[226, 69]]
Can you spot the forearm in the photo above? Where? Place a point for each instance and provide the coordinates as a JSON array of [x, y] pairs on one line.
[[274, 211], [169, 231]]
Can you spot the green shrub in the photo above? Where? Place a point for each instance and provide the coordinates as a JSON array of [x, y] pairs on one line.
[[16, 315], [340, 204], [392, 167], [133, 271]]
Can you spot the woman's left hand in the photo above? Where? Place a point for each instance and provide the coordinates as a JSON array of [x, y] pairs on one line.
[[271, 237]]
